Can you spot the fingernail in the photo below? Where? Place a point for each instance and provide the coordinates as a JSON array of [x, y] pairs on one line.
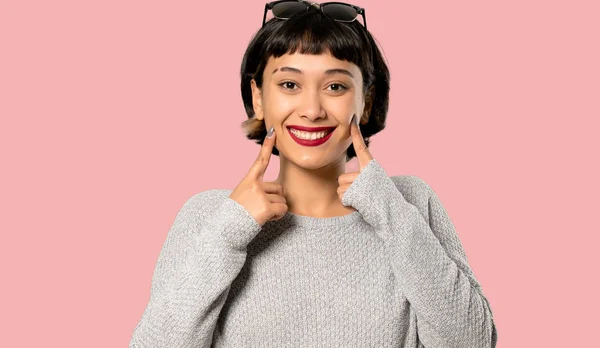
[[270, 132]]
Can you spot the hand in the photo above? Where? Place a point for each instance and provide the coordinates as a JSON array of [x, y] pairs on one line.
[[362, 153], [263, 200]]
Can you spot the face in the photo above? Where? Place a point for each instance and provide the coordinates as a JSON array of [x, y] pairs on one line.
[[310, 91]]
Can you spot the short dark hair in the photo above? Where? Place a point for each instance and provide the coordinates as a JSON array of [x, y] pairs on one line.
[[313, 32]]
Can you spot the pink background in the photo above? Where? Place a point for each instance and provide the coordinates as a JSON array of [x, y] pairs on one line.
[[114, 113]]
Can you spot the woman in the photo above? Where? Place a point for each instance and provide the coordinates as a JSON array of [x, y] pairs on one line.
[[319, 257]]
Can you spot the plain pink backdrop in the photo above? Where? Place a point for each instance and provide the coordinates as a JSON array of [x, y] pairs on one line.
[[114, 113]]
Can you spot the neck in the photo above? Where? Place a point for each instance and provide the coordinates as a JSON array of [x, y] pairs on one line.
[[312, 191]]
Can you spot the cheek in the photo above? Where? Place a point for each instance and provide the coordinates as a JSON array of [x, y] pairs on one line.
[[278, 106], [343, 137], [341, 108]]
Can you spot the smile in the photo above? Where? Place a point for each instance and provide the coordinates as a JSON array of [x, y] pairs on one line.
[[310, 138]]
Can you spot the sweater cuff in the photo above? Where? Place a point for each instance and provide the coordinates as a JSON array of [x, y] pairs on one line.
[[371, 193], [235, 224]]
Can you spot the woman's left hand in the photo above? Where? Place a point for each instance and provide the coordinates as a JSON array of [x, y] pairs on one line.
[[362, 153]]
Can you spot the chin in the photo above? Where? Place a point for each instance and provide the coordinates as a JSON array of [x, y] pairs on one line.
[[312, 162]]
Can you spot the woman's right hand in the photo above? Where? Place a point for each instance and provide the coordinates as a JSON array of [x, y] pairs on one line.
[[263, 200]]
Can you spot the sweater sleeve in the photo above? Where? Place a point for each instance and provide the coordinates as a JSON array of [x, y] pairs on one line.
[[199, 260], [428, 261]]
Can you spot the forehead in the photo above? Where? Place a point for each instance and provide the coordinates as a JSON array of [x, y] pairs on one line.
[[311, 64]]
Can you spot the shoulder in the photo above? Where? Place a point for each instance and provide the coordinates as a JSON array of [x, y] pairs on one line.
[[204, 203], [208, 197], [412, 185]]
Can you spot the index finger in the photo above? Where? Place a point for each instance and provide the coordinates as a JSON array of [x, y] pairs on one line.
[[361, 149], [262, 161]]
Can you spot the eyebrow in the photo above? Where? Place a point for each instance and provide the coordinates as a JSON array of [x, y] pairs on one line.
[[327, 72]]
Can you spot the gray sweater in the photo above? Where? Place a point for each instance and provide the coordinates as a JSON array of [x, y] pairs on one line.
[[391, 274]]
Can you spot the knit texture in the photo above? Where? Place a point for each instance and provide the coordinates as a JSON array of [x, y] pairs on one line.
[[391, 274]]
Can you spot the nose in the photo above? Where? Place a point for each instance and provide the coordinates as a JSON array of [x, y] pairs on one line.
[[310, 106]]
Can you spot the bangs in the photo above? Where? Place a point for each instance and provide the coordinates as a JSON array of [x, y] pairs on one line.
[[316, 33]]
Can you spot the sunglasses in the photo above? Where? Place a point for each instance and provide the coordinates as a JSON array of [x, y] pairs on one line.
[[339, 11]]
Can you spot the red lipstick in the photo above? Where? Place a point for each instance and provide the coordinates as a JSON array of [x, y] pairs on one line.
[[309, 142], [310, 129]]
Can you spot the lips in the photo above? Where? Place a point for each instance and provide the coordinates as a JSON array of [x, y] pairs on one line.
[[311, 129], [311, 142]]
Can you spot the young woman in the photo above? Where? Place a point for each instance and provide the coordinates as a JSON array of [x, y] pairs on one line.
[[318, 257]]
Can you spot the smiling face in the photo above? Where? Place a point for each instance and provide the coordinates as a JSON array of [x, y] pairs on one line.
[[310, 91]]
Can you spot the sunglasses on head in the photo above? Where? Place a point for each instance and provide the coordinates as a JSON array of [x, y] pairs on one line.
[[340, 11]]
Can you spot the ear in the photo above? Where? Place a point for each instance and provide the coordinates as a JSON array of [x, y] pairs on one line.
[[256, 100], [368, 105]]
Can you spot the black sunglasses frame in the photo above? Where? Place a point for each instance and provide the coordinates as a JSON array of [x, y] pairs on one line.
[[359, 10]]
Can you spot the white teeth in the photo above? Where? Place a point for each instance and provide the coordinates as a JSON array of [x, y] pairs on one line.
[[309, 135]]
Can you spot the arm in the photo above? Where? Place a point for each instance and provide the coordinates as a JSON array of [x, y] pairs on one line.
[[196, 266], [428, 260]]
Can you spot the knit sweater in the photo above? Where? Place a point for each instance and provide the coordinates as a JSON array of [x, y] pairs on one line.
[[393, 273]]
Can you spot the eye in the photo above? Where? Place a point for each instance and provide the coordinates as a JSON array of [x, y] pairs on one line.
[[339, 88], [287, 84]]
